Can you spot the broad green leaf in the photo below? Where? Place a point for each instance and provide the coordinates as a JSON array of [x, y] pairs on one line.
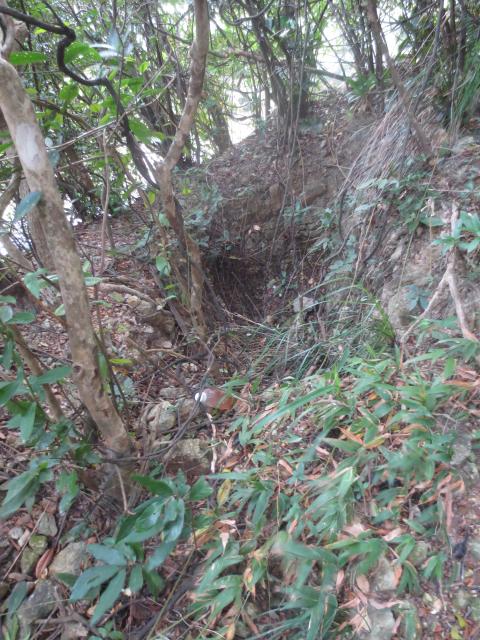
[[163, 266], [200, 490], [26, 57], [54, 375], [159, 555], [173, 531], [158, 487], [154, 582], [34, 282], [9, 389], [6, 313], [110, 595], [67, 485], [91, 578], [28, 422], [108, 555], [26, 204], [15, 599], [81, 50], [22, 317], [23, 488], [135, 581]]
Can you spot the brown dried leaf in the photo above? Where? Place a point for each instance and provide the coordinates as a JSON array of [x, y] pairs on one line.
[[363, 584]]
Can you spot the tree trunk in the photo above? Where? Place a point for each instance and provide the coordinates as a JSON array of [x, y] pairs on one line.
[[163, 171], [376, 27], [28, 140]]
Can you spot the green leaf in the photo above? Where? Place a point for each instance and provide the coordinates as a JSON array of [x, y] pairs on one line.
[[26, 204], [159, 555], [200, 490], [154, 582], [90, 579], [8, 390], [54, 375], [34, 282], [81, 50], [135, 582], [108, 555], [22, 317], [67, 485], [24, 487], [16, 598], [6, 313], [110, 595], [26, 57], [28, 422], [158, 487], [163, 266]]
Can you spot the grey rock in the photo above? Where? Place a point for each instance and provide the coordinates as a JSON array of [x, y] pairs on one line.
[[474, 547], [384, 578], [420, 553], [461, 453], [475, 608], [73, 630], [381, 624], [192, 456], [186, 408], [470, 472], [38, 605], [16, 533], [69, 560], [29, 559], [410, 626], [159, 417], [170, 393], [47, 525], [37, 543], [461, 599]]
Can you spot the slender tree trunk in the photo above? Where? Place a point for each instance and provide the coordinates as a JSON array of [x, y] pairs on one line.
[[29, 143], [405, 99], [163, 171]]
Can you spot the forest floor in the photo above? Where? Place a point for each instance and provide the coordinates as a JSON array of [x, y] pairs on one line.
[[394, 474]]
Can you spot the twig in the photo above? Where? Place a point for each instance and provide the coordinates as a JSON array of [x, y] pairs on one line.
[[448, 279]]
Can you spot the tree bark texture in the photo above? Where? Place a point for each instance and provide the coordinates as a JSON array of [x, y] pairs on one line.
[[29, 143]]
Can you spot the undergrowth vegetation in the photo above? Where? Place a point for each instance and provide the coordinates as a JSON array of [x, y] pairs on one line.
[[324, 474]]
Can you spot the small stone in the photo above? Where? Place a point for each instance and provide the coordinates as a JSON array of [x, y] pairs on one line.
[[38, 543], [38, 605], [381, 624], [159, 417], [47, 525], [473, 547], [29, 559], [73, 630], [461, 599], [170, 393], [15, 533], [461, 452], [384, 578], [470, 472], [419, 553], [186, 408], [192, 456], [475, 609], [69, 560]]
